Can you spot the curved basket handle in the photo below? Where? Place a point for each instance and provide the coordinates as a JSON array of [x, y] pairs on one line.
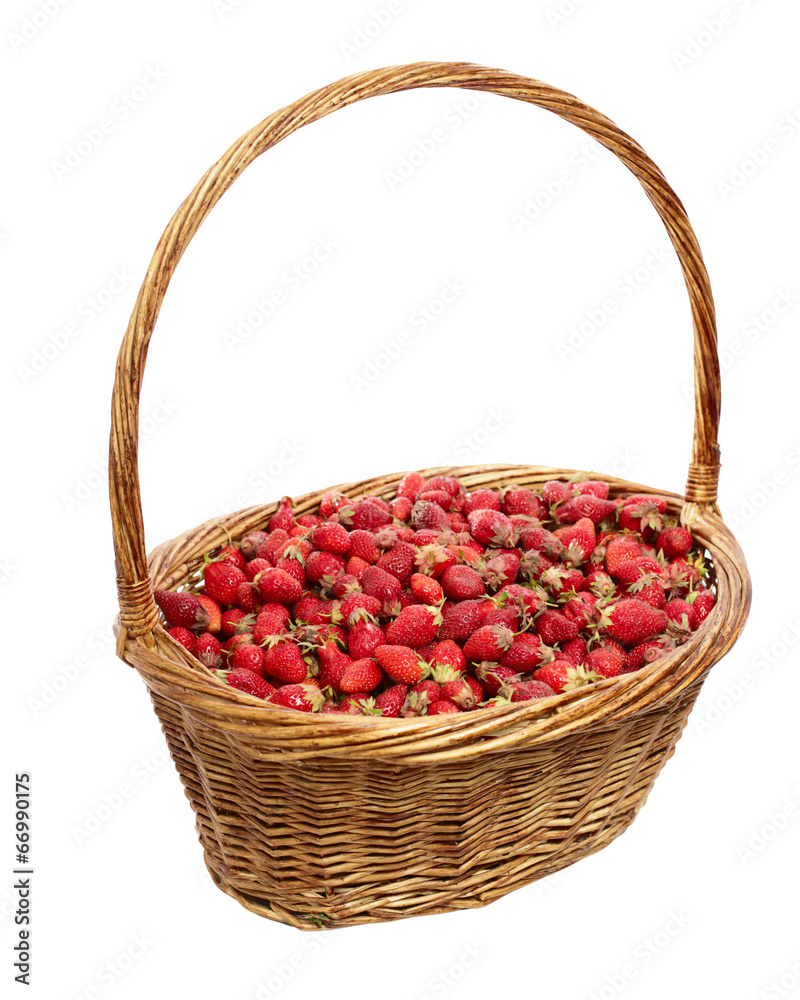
[[138, 612]]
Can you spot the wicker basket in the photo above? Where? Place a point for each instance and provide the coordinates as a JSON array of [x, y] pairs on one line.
[[339, 820]]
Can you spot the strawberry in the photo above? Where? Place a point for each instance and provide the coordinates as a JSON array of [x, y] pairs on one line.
[[182, 610], [482, 500], [447, 483], [207, 650], [247, 681], [553, 628], [247, 598], [324, 568], [365, 515], [554, 492], [702, 604], [302, 697], [459, 621], [643, 514], [358, 703], [401, 508], [632, 621], [283, 516], [493, 675], [448, 654], [443, 707], [221, 580], [680, 612], [594, 486], [279, 586], [561, 675], [501, 569], [522, 501], [231, 555], [599, 583], [251, 543], [183, 636], [648, 589], [273, 543], [585, 506], [645, 652], [363, 546], [415, 626], [308, 521], [410, 486], [248, 657], [461, 583], [284, 661], [674, 542], [214, 612], [399, 561], [345, 585], [378, 583], [619, 550], [524, 654], [256, 566], [331, 502], [333, 664], [390, 702], [525, 690], [401, 663], [426, 589], [579, 539], [358, 607], [632, 569], [331, 537], [561, 580], [429, 515], [267, 623], [459, 693], [360, 675], [489, 642], [364, 638], [580, 609], [575, 651], [440, 497], [604, 662], [422, 695], [491, 527]]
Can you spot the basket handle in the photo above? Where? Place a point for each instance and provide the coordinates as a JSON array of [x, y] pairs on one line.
[[138, 612]]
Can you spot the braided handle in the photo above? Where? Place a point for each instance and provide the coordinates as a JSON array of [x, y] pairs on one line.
[[138, 612]]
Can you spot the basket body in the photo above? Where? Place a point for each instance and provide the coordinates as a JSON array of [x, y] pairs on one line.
[[333, 822], [328, 821]]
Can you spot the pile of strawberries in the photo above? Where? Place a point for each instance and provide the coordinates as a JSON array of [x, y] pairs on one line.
[[443, 600]]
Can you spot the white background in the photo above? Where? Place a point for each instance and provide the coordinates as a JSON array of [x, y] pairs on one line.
[[699, 896]]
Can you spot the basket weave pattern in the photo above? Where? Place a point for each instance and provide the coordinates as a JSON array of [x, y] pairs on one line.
[[338, 820]]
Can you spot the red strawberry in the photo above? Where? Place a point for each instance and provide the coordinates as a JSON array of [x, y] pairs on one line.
[[359, 606], [619, 550], [410, 486], [426, 589], [429, 515], [525, 653], [365, 515], [283, 516], [345, 585], [251, 543], [461, 583], [492, 676], [434, 559], [308, 520], [490, 527], [522, 501], [526, 690], [360, 675], [302, 697], [459, 621], [482, 500], [207, 650], [443, 707], [331, 502], [594, 486], [553, 628], [247, 681], [604, 662], [274, 542], [586, 505], [645, 652], [561, 675], [402, 664], [538, 539], [399, 561], [364, 639], [575, 651], [419, 698], [390, 701], [579, 539], [231, 555], [256, 566], [333, 664], [279, 586], [183, 636], [629, 571], [415, 626], [378, 583], [293, 566], [501, 569], [248, 657], [360, 703], [631, 621], [182, 610], [448, 483], [459, 692], [247, 598], [230, 622], [221, 581], [648, 589], [489, 642], [355, 567], [364, 546], [267, 623], [284, 661], [560, 580], [448, 654], [401, 509], [674, 542], [643, 514], [680, 612], [555, 491], [702, 604], [214, 612], [580, 609], [440, 497], [331, 537]]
